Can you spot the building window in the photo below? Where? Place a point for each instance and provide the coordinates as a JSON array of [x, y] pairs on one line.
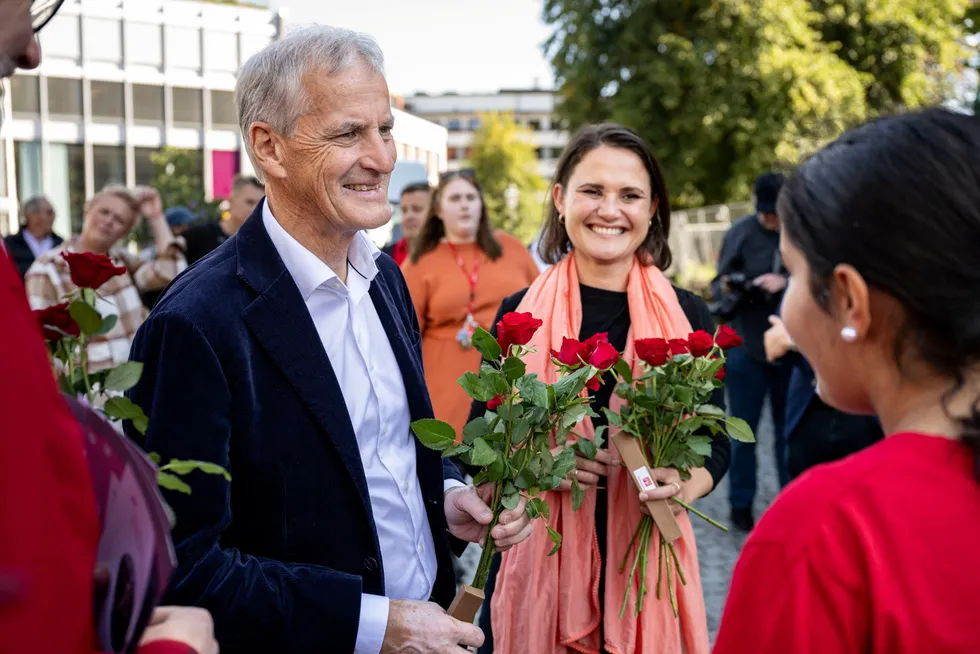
[[103, 39], [539, 153], [147, 104], [451, 153], [107, 100], [534, 125], [65, 97], [27, 168], [188, 107], [66, 187], [223, 110], [25, 96], [143, 168], [108, 165], [474, 124], [453, 125]]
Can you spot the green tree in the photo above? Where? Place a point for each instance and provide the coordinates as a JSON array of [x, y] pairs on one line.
[[503, 158], [724, 89], [178, 175]]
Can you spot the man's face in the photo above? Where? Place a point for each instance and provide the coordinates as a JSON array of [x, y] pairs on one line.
[[242, 202], [18, 49], [339, 159], [414, 206], [41, 220]]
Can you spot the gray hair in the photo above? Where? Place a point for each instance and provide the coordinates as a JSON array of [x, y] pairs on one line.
[[34, 204], [270, 84]]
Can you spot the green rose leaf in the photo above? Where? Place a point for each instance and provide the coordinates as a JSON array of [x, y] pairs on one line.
[[624, 371], [537, 507], [691, 424], [564, 463], [509, 488], [474, 429], [476, 387], [587, 448], [497, 470], [555, 538], [700, 445], [457, 450], [121, 408], [526, 479], [549, 482], [533, 390], [578, 495], [710, 410], [713, 369], [520, 431], [511, 412], [482, 455], [613, 418], [186, 467], [495, 380], [486, 344], [739, 430], [571, 385], [599, 437], [88, 319], [434, 434], [171, 482], [513, 369], [154, 457], [684, 395], [547, 460], [107, 324], [124, 377], [573, 415], [510, 502]]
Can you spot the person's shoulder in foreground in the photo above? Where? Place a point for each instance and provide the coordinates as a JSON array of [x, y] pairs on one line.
[[868, 549]]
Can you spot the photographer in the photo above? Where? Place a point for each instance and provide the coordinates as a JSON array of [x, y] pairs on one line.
[[750, 285]]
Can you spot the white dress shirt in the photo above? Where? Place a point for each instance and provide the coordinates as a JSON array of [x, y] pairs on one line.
[[361, 356], [38, 247]]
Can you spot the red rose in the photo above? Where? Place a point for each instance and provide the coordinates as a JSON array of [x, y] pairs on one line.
[[495, 402], [593, 342], [700, 343], [604, 357], [727, 338], [678, 346], [720, 375], [57, 316], [654, 351], [516, 329], [572, 352], [90, 270], [593, 384]]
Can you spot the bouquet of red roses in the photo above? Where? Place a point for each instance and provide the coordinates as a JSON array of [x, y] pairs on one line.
[[512, 442], [666, 410]]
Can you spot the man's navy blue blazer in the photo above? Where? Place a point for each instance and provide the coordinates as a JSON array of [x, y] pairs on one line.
[[235, 373]]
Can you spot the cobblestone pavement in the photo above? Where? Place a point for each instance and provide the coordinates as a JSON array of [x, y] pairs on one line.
[[717, 550]]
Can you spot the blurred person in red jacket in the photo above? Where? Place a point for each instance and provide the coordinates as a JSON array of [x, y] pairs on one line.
[[50, 529]]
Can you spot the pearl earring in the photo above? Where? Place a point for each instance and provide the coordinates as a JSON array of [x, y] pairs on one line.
[[849, 334]]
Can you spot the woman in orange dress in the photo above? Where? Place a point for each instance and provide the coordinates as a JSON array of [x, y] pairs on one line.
[[458, 272]]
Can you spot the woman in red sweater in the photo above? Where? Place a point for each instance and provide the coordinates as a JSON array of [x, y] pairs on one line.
[[879, 552]]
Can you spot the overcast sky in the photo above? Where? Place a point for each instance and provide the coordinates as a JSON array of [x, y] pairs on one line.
[[443, 45]]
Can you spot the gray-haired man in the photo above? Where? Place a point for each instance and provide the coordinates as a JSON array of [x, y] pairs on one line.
[[293, 359]]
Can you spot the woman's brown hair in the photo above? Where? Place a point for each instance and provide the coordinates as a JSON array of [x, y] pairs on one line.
[[554, 243], [433, 230]]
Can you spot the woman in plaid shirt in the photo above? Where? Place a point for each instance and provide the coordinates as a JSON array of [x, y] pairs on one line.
[[109, 216]]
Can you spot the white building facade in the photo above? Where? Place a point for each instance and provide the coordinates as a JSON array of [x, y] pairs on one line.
[[533, 109], [120, 79]]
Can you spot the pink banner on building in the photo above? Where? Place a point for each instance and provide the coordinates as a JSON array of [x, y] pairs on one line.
[[224, 165]]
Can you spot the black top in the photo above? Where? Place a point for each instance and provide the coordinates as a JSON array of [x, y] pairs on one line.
[[752, 250], [202, 239], [20, 251], [608, 311]]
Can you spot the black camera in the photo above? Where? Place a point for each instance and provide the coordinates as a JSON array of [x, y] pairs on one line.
[[740, 288]]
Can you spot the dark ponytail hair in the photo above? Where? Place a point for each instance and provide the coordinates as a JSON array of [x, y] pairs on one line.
[[899, 200]]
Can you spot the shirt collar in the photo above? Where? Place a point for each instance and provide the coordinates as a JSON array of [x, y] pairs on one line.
[[307, 270]]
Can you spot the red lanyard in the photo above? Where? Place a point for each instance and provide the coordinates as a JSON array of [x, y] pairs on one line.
[[471, 277]]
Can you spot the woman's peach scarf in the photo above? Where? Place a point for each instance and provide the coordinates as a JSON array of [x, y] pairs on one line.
[[550, 605]]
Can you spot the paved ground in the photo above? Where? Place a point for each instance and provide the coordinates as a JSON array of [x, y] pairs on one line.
[[717, 550]]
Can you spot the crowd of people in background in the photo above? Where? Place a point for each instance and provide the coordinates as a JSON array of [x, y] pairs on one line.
[[281, 343]]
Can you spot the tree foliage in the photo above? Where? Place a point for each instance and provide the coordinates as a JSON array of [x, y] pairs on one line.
[[724, 89], [503, 155]]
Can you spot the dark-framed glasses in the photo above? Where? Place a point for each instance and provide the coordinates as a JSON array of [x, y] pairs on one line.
[[464, 172], [42, 11]]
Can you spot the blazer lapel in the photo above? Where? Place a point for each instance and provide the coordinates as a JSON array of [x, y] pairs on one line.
[[280, 321]]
